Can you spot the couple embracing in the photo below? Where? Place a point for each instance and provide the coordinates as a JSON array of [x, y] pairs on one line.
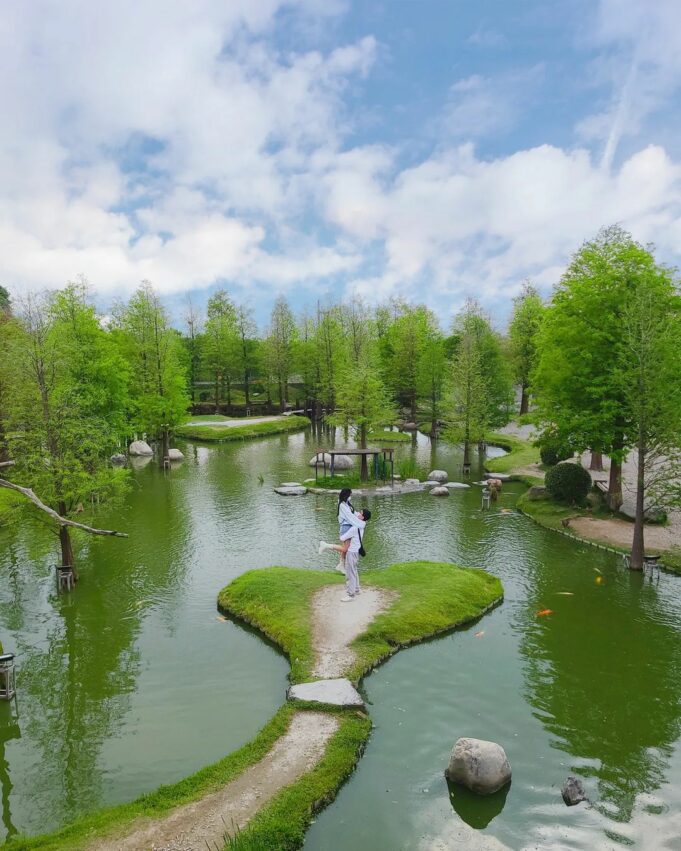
[[351, 525]]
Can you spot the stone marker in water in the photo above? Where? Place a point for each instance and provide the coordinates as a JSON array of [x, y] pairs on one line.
[[439, 491], [291, 489], [338, 692], [175, 455], [438, 475], [479, 765], [456, 485], [573, 791]]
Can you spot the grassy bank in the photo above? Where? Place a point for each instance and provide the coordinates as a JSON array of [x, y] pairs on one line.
[[218, 433], [520, 454], [432, 598], [551, 515]]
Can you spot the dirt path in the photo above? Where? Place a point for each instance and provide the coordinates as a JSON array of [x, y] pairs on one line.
[[336, 624], [620, 533], [203, 823]]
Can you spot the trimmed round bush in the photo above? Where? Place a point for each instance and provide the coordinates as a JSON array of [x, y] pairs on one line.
[[568, 483], [553, 453]]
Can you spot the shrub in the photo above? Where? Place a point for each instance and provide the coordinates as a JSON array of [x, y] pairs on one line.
[[409, 469], [568, 483], [553, 453]]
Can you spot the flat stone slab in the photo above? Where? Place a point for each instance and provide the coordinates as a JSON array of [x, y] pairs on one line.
[[298, 490], [456, 485], [339, 692], [503, 477]]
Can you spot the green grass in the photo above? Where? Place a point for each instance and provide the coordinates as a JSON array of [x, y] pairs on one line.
[[521, 453], [281, 825], [433, 598], [381, 437], [245, 432], [80, 833], [211, 418]]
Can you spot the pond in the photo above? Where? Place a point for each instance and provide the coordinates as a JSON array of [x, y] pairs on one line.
[[135, 680]]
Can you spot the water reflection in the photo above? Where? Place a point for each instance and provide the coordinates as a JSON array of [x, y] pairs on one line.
[[477, 810], [603, 675]]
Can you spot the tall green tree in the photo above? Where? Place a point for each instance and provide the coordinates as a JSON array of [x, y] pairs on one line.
[[153, 351], [221, 345], [650, 364], [466, 418], [403, 346], [68, 386], [579, 384], [331, 355], [6, 329], [247, 348], [193, 344], [279, 347], [528, 310], [432, 376]]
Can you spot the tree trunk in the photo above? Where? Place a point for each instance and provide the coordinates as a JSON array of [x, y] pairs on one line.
[[412, 407], [596, 461], [637, 546], [433, 423], [466, 453], [282, 398], [614, 497], [65, 543], [248, 399], [217, 393], [364, 469], [524, 400], [229, 393], [165, 444]]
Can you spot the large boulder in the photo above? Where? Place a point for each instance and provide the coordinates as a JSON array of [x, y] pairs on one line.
[[341, 462], [439, 491], [479, 765], [573, 791], [409, 426], [118, 458], [175, 455], [438, 475], [140, 448]]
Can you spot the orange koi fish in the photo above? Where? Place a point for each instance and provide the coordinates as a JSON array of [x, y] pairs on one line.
[[544, 612]]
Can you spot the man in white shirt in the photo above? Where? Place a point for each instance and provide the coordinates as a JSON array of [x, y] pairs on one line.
[[352, 555]]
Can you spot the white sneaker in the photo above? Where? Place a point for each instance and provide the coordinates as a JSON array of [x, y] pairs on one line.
[[340, 567], [322, 547], [347, 599]]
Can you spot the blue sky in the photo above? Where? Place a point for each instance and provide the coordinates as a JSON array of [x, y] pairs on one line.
[[426, 149]]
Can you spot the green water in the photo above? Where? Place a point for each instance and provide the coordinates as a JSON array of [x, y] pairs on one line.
[[134, 681]]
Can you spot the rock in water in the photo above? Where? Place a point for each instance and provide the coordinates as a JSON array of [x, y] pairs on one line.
[[439, 491], [456, 485], [175, 455], [479, 765], [295, 490], [573, 791], [438, 475], [118, 458], [341, 462], [140, 448]]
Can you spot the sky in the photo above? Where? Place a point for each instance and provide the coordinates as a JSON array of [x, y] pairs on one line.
[[430, 150]]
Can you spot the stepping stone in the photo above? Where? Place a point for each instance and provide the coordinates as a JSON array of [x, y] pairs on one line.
[[340, 692], [453, 485], [503, 477], [291, 485], [298, 490]]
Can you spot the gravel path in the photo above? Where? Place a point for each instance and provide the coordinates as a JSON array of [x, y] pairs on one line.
[[336, 625], [203, 823]]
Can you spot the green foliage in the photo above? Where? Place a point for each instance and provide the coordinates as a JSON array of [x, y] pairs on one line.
[[409, 468], [220, 345], [384, 436], [68, 389], [552, 453], [528, 312], [568, 483], [280, 346], [154, 354]]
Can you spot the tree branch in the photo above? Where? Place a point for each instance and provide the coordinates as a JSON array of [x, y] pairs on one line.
[[62, 521]]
